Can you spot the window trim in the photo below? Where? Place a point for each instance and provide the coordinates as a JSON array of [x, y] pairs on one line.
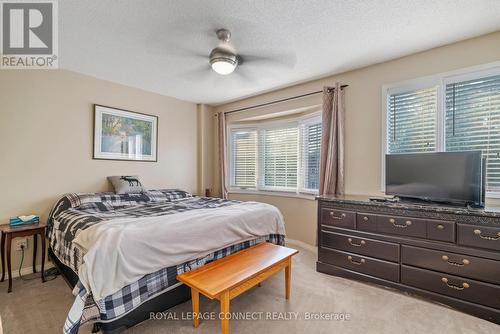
[[266, 125], [440, 80]]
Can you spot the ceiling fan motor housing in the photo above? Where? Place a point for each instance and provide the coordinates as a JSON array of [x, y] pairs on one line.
[[219, 54]]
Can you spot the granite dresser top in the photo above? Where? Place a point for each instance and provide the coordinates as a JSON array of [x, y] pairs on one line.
[[408, 205]]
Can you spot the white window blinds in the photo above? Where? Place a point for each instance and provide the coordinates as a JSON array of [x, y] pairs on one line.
[[280, 157], [310, 161], [244, 158], [411, 126], [473, 122], [276, 156]]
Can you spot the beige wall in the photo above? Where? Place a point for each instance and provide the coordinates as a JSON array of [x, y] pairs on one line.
[[364, 118], [46, 140]]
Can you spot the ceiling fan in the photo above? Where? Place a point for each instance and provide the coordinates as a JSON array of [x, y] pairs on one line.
[[224, 59]]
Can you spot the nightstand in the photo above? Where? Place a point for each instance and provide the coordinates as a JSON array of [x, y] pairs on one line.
[[10, 232]]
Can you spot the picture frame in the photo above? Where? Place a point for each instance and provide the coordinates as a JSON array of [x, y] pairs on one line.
[[124, 135]]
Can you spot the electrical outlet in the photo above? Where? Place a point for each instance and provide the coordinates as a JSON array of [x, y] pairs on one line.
[[21, 242]]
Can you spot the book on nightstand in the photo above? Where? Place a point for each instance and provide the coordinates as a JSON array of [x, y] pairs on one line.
[[24, 220]]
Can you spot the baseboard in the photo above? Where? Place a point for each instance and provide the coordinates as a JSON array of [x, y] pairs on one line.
[[302, 244], [29, 270]]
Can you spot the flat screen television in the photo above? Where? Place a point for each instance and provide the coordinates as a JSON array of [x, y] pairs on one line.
[[447, 177]]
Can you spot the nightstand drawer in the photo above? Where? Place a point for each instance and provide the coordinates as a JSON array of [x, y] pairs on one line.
[[452, 263], [363, 246], [479, 236], [338, 218], [454, 286], [411, 227], [360, 263]]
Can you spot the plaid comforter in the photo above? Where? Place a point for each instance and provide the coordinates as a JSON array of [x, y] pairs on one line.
[[75, 212]]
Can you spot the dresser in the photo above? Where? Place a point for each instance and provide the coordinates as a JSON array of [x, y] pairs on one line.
[[446, 254]]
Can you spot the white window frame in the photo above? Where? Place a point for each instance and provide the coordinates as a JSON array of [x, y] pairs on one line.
[[440, 81], [267, 125]]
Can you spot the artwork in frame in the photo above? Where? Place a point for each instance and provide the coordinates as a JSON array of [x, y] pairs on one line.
[[124, 135]]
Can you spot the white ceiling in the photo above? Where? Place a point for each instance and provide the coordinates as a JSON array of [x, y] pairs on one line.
[[160, 45]]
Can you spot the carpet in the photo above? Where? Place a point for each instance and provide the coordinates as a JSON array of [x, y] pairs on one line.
[[319, 304]]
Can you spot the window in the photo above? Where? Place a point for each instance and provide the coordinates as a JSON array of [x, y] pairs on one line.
[[244, 158], [276, 156], [311, 147], [452, 113], [473, 122], [280, 158], [412, 121]]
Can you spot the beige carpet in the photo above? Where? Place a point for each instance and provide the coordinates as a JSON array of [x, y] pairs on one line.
[[39, 308]]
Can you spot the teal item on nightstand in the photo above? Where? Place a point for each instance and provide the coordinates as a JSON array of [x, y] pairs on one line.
[[24, 220]]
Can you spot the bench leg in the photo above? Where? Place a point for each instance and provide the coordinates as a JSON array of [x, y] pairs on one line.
[[288, 278], [224, 312], [195, 300]]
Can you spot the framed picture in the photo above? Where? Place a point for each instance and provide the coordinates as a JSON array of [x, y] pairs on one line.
[[124, 135]]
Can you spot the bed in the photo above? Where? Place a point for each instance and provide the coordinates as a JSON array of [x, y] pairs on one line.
[[121, 253]]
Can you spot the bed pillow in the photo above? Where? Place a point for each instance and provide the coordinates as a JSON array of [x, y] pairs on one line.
[[126, 184]]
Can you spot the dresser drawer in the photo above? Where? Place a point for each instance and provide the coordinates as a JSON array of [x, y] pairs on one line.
[[338, 218], [411, 227], [479, 236], [366, 221], [363, 246], [359, 263], [452, 263], [454, 286], [441, 230]]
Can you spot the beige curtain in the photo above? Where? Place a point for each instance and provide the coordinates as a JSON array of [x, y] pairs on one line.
[[332, 142], [221, 121]]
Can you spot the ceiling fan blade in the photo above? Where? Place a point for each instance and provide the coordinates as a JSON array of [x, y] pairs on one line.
[[200, 72], [244, 73], [284, 59]]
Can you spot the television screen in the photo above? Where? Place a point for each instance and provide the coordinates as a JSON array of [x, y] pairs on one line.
[[454, 177]]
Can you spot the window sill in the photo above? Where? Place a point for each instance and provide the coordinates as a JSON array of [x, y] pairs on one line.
[[310, 197]]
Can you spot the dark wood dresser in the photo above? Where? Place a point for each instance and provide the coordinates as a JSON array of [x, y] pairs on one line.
[[447, 254]]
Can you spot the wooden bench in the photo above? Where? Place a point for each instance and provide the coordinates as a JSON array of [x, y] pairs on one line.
[[232, 275]]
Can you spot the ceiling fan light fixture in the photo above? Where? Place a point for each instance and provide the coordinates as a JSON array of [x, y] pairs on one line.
[[223, 66]]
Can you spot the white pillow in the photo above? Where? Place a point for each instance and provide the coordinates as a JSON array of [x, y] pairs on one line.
[[126, 184]]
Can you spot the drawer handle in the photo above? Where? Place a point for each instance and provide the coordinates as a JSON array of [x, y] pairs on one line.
[[453, 263], [365, 218], [361, 261], [361, 243], [485, 237], [440, 227], [332, 214], [464, 285], [405, 225]]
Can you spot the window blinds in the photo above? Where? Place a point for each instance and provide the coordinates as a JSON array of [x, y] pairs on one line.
[[310, 159], [472, 121], [280, 157], [411, 126], [244, 158]]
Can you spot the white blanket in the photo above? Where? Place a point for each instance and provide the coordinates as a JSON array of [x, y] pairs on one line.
[[121, 251]]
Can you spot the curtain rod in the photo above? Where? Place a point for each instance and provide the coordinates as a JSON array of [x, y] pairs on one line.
[[278, 101]]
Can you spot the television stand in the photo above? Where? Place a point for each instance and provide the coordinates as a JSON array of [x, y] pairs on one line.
[[447, 254]]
